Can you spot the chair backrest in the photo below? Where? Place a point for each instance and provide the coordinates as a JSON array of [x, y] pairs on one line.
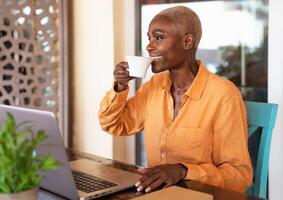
[[261, 115]]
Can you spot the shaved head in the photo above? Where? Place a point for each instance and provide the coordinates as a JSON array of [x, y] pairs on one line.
[[186, 19]]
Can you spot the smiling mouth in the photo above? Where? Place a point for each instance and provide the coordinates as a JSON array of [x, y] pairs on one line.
[[156, 57]]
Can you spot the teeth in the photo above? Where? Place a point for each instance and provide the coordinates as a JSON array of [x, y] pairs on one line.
[[156, 57]]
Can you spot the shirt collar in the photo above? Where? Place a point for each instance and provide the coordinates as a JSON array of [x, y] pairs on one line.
[[196, 89], [167, 82]]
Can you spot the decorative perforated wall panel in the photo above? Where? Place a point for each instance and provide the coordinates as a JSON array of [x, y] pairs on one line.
[[29, 53]]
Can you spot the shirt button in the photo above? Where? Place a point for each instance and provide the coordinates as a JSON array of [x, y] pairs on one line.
[[162, 155]]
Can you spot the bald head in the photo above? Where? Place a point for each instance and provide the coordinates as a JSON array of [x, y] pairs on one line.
[[186, 19]]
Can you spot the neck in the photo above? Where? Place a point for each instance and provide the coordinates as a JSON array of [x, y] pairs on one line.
[[183, 77], [180, 91]]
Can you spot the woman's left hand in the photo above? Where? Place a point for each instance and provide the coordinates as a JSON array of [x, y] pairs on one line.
[[160, 176]]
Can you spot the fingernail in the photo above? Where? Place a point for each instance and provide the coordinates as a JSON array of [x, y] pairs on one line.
[[139, 188], [138, 183], [147, 189]]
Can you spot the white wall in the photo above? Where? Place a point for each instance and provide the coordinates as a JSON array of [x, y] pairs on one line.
[[275, 95], [124, 38], [93, 61], [103, 33]]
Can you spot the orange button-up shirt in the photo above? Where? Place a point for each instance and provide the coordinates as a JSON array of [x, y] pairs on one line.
[[208, 136]]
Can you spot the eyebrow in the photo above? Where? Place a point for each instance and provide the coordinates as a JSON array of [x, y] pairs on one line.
[[156, 30]]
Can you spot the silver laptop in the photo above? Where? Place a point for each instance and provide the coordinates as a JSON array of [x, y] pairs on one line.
[[80, 179]]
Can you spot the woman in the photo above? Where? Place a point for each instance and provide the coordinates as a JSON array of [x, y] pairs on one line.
[[194, 121]]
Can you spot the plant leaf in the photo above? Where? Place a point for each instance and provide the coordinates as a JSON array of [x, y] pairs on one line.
[[49, 163], [19, 167], [40, 136], [5, 188]]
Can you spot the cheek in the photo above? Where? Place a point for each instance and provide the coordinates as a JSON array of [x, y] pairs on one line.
[[161, 49], [169, 51]]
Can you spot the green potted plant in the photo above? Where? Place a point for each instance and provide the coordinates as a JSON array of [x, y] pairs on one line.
[[21, 169]]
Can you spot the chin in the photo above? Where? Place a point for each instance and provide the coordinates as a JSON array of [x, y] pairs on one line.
[[157, 69]]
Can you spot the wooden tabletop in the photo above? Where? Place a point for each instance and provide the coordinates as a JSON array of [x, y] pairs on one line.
[[218, 193]]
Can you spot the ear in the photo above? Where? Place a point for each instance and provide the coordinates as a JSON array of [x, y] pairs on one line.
[[188, 41]]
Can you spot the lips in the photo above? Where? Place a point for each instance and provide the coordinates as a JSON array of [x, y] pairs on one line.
[[155, 57]]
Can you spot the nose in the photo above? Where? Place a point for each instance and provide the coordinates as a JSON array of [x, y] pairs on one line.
[[149, 47]]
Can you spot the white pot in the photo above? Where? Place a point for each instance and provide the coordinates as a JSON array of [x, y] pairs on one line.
[[31, 194]]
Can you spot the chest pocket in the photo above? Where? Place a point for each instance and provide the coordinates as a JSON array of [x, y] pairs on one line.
[[190, 144]]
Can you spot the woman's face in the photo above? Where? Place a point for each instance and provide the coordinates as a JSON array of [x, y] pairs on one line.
[[165, 44]]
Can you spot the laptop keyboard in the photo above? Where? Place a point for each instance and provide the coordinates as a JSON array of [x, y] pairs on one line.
[[89, 183]]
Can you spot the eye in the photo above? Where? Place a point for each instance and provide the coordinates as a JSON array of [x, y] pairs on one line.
[[159, 37]]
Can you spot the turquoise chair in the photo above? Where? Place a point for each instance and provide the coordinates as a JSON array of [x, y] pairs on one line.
[[261, 115]]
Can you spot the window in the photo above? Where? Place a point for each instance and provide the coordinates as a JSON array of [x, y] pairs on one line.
[[233, 44]]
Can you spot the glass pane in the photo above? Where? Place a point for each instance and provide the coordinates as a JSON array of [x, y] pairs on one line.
[[234, 44], [234, 41]]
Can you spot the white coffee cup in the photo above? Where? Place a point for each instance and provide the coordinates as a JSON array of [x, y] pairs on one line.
[[138, 65]]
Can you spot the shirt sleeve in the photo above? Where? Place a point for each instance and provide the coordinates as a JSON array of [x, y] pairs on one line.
[[119, 116], [232, 167]]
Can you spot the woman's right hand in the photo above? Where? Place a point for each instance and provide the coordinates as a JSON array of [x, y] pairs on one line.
[[121, 75]]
